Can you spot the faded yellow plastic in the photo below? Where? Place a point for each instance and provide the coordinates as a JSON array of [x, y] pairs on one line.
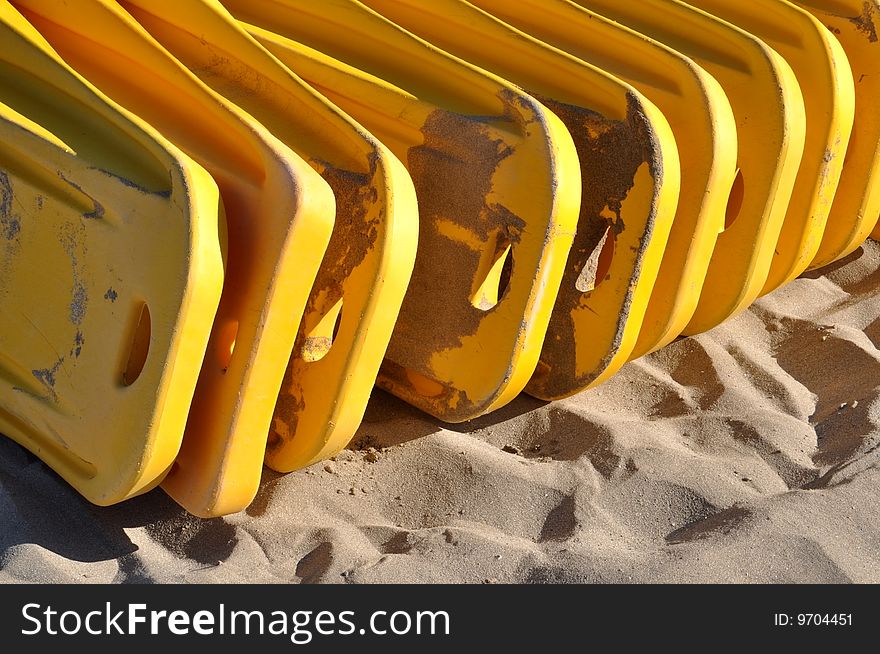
[[497, 179], [826, 81], [630, 184], [279, 217], [856, 208], [369, 262], [705, 132], [110, 275], [771, 130]]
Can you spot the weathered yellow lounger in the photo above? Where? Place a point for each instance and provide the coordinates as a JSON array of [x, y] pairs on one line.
[[856, 208], [368, 264], [771, 129], [279, 216], [110, 275], [705, 133], [826, 82], [498, 184], [630, 183]]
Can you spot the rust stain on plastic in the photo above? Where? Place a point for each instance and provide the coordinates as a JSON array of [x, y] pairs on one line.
[[453, 172], [78, 342], [354, 236], [10, 224], [287, 410], [610, 153], [864, 22], [10, 232], [72, 238], [46, 376]]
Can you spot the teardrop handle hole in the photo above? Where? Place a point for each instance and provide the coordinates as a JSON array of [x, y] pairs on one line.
[[140, 347], [598, 264]]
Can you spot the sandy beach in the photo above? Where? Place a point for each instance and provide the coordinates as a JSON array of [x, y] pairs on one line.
[[747, 454]]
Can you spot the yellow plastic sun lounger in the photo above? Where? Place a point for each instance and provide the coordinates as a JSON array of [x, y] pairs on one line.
[[630, 184], [279, 217], [366, 270], [856, 208], [705, 133], [826, 82], [498, 184], [110, 274], [771, 131]]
